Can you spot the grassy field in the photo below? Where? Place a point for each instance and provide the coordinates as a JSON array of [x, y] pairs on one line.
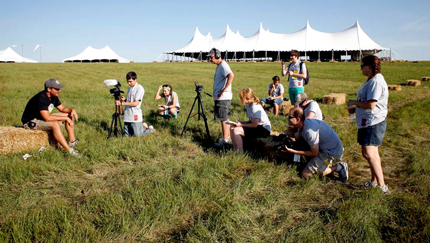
[[165, 188]]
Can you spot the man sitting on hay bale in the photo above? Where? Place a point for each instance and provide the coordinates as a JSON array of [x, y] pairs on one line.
[[37, 115], [325, 146]]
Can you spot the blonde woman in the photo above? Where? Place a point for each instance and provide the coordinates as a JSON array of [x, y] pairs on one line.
[[172, 106], [258, 124]]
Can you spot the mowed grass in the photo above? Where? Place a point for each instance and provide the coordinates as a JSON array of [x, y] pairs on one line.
[[165, 188]]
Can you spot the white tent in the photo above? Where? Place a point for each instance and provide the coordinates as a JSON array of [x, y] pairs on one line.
[[263, 41], [9, 55], [91, 54]]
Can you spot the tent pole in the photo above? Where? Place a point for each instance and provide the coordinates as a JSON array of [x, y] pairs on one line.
[[319, 59], [332, 54]]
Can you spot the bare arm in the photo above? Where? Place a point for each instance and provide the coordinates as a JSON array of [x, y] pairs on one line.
[[71, 112], [311, 153], [283, 69], [51, 118], [157, 95], [252, 124], [230, 78], [370, 104]]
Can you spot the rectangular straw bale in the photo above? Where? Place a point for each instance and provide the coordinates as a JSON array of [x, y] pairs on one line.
[[15, 140], [413, 82], [334, 98], [425, 79], [285, 107], [395, 87]]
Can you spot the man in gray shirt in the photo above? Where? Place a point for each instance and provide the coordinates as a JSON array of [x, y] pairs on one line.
[[311, 108], [222, 93], [325, 146]]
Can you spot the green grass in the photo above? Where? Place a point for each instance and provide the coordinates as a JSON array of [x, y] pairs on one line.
[[165, 188]]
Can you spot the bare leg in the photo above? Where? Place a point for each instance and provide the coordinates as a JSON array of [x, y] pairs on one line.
[[371, 154], [173, 110], [276, 108], [306, 173], [71, 131], [225, 130], [58, 135], [160, 111], [237, 138]]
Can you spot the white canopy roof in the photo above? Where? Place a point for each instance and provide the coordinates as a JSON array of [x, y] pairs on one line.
[[306, 39], [93, 54], [9, 55]]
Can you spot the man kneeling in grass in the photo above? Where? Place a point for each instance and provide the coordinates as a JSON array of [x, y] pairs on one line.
[[37, 115], [325, 146]]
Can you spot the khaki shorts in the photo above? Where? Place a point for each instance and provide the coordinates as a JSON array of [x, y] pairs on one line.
[[320, 163], [39, 125]]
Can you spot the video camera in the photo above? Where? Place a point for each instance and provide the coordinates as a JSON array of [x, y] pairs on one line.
[[116, 91], [199, 87]]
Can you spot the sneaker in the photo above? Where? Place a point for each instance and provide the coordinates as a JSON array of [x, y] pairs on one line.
[[384, 189], [73, 144], [343, 173], [74, 153], [369, 184], [222, 142]]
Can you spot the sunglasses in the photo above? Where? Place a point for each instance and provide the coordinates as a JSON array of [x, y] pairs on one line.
[[56, 89], [362, 66]]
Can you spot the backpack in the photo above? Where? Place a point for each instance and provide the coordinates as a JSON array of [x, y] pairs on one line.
[[306, 80]]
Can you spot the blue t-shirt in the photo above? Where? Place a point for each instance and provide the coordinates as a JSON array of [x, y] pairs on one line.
[[318, 132]]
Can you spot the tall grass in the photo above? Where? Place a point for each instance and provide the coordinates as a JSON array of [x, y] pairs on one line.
[[165, 188]]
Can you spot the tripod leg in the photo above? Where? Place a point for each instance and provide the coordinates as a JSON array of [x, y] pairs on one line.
[[204, 117], [111, 125], [192, 107]]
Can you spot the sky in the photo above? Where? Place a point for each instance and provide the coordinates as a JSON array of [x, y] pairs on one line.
[[142, 30]]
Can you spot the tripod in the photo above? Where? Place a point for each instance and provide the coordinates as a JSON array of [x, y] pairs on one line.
[[200, 112], [116, 119]]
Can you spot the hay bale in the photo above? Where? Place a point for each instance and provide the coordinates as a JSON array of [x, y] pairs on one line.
[[334, 98], [395, 87], [14, 140], [285, 107], [425, 79], [413, 82]]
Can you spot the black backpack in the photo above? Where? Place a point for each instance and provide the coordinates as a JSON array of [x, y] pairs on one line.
[[307, 72]]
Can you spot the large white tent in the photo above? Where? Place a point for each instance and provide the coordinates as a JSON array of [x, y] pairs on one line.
[[265, 43], [9, 55], [90, 54]]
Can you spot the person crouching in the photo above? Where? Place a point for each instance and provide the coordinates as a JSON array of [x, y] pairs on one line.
[[172, 106]]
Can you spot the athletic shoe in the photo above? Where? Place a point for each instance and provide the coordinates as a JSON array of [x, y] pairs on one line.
[[343, 173], [369, 184], [74, 153], [222, 142], [384, 189], [73, 144]]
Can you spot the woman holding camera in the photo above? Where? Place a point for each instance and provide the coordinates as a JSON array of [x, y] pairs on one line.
[[371, 112], [172, 106], [258, 124]]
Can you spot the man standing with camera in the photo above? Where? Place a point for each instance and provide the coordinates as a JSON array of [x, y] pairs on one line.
[[222, 93], [133, 123], [296, 75], [37, 115]]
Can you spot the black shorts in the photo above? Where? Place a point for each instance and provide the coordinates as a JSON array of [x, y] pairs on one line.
[[372, 135], [256, 132], [221, 110]]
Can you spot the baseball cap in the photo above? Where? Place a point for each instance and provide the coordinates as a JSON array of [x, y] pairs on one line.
[[301, 98], [53, 83], [214, 52]]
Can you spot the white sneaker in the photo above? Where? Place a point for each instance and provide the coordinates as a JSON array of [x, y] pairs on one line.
[[73, 144], [223, 142], [384, 189], [74, 153]]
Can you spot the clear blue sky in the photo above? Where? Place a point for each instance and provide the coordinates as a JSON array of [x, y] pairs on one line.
[[142, 30]]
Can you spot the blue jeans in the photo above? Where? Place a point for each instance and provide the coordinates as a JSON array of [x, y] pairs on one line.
[[133, 129], [268, 101]]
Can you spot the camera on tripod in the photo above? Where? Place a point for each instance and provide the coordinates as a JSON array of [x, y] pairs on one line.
[[199, 87], [116, 116], [116, 91]]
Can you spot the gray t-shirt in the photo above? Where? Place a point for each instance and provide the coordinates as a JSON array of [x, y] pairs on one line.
[[134, 114], [296, 82], [277, 91], [257, 111], [220, 80], [314, 107], [374, 89], [318, 132]]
